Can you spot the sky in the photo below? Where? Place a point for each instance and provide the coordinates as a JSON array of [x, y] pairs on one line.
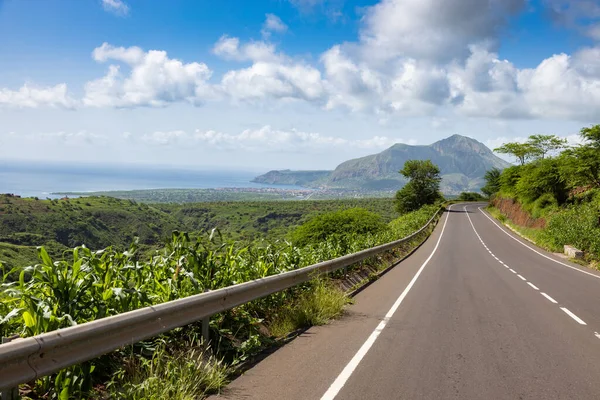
[[300, 84]]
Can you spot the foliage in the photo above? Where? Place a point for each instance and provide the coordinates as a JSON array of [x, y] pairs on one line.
[[563, 189], [545, 144], [89, 285], [186, 373], [539, 178], [492, 182], [100, 222], [338, 223], [470, 196], [422, 188], [521, 151]]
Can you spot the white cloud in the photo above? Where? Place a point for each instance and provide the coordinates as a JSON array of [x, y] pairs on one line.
[[29, 96], [117, 7], [229, 48], [273, 24], [266, 139], [164, 138], [154, 79], [431, 29]]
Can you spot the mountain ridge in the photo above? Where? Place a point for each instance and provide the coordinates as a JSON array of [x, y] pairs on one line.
[[463, 162]]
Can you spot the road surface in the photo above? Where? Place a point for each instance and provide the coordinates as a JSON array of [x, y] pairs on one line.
[[475, 313]]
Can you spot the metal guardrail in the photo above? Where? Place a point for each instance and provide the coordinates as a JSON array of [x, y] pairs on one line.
[[24, 360]]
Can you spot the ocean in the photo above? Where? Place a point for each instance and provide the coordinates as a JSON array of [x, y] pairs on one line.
[[40, 180]]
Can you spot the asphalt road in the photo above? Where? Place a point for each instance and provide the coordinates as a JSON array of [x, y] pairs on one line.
[[475, 313]]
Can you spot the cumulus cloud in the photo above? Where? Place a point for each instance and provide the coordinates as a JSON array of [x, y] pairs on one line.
[[153, 79], [117, 7], [29, 96], [164, 138], [273, 24], [430, 29]]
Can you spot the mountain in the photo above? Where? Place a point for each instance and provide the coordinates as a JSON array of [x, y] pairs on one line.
[[463, 162]]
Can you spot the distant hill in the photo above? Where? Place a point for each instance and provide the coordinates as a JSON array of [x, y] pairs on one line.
[[463, 162], [288, 177]]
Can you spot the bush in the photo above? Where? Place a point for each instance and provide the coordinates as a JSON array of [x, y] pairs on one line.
[[544, 205], [354, 221], [470, 196], [577, 226]]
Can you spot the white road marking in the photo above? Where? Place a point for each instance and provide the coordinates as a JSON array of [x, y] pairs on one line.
[[575, 317], [522, 277], [597, 335], [513, 271], [533, 286], [343, 377], [535, 251], [549, 298]]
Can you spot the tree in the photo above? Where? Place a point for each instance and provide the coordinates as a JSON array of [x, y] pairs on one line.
[[492, 182], [581, 165], [546, 143], [422, 188], [521, 151]]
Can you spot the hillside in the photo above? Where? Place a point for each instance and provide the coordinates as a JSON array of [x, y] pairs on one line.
[[462, 161], [288, 177], [99, 222]]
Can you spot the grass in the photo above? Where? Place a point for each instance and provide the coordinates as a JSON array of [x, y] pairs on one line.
[[188, 373], [315, 307]]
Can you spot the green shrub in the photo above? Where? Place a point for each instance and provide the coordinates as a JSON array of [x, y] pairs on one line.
[[354, 221], [470, 196], [577, 226], [544, 205]]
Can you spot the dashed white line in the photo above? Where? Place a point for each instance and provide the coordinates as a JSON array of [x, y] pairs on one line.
[[512, 270], [534, 250], [597, 335], [533, 286], [549, 298], [522, 277], [575, 317], [343, 377]]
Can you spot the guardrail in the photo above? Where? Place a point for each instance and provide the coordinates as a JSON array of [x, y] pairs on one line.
[[24, 360]]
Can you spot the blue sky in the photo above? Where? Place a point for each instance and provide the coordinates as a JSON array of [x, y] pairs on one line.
[[288, 83]]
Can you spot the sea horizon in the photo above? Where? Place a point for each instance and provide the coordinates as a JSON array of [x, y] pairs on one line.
[[42, 180]]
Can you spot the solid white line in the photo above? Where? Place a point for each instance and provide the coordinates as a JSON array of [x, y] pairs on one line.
[[343, 377], [533, 286], [575, 317], [534, 250], [549, 298], [522, 277]]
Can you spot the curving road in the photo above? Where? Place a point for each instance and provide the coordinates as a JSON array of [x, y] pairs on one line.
[[475, 313]]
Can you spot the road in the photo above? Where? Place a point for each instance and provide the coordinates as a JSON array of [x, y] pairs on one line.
[[475, 313]]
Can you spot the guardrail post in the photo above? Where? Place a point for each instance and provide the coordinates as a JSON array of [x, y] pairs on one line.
[[206, 327], [9, 393]]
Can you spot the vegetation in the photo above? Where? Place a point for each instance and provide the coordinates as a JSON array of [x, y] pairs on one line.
[[354, 221], [470, 196], [562, 190], [87, 285], [423, 186], [99, 222]]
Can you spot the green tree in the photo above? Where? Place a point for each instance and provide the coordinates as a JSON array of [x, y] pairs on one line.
[[422, 188], [539, 178], [545, 144], [492, 182], [521, 151], [580, 165]]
